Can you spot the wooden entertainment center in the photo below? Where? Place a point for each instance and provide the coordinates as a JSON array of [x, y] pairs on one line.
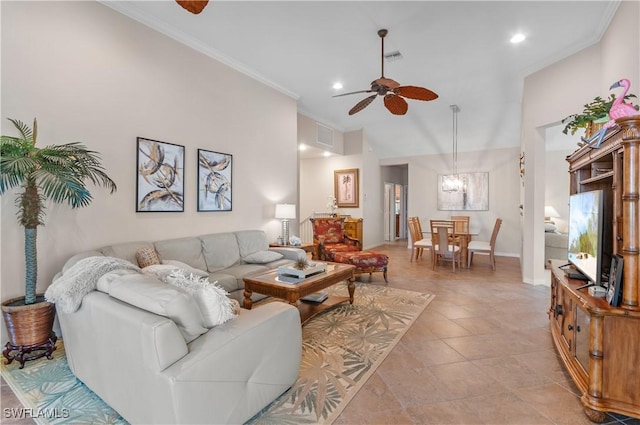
[[600, 344]]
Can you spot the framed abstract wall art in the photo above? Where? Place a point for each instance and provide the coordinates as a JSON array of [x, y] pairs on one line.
[[346, 190], [214, 181], [160, 176], [471, 194]]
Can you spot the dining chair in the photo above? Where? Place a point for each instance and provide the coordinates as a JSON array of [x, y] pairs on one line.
[[485, 248], [463, 236], [442, 231], [418, 243], [461, 223]]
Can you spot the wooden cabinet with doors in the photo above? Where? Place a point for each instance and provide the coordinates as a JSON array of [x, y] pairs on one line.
[[600, 344], [353, 228]]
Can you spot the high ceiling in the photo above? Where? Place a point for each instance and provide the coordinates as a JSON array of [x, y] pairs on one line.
[[458, 49]]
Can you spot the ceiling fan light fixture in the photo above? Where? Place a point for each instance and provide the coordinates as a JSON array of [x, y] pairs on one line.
[[392, 92]]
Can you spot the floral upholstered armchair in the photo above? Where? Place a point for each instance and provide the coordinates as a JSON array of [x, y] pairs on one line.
[[329, 237]]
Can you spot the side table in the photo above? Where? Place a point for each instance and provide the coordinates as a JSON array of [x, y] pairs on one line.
[[306, 247]]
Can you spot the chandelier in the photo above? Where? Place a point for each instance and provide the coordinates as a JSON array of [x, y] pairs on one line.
[[453, 182]]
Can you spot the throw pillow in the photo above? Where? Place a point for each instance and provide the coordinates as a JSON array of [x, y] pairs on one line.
[[147, 257], [549, 227], [212, 300], [262, 257]]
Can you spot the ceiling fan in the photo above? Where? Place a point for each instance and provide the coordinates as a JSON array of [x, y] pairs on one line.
[[392, 91], [193, 6]]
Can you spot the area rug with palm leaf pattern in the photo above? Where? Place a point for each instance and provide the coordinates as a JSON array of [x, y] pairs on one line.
[[342, 347]]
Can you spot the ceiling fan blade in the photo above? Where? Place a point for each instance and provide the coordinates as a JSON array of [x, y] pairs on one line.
[[395, 104], [387, 82], [193, 6], [353, 92], [414, 92], [362, 104]]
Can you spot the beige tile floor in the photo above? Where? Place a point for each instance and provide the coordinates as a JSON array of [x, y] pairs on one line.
[[481, 353]]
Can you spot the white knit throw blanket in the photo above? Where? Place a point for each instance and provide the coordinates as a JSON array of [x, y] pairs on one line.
[[68, 290]]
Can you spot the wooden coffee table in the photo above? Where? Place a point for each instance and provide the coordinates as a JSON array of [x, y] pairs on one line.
[[269, 284]]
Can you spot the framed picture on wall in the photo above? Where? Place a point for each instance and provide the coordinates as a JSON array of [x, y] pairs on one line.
[[214, 181], [463, 192], [345, 187], [160, 176]]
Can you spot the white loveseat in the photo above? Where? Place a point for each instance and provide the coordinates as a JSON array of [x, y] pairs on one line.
[[139, 360]]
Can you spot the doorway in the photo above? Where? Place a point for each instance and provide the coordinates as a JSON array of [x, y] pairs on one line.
[[395, 211]]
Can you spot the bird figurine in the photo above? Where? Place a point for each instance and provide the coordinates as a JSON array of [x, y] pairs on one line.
[[618, 109]]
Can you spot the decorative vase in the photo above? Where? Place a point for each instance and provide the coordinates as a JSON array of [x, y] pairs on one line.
[[30, 329]]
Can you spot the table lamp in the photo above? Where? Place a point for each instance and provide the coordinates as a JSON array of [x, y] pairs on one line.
[[549, 213], [285, 212]]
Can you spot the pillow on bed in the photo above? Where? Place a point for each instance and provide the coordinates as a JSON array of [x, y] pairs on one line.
[[262, 257]]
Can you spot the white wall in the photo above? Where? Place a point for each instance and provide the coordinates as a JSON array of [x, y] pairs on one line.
[[562, 89], [317, 184], [307, 135], [92, 75], [504, 188], [556, 194], [371, 195]]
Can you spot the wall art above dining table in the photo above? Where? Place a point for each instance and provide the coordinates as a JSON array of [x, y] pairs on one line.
[[472, 194]]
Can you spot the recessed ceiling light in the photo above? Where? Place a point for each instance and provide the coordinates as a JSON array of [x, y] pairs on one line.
[[302, 147], [337, 86], [517, 38], [326, 153]]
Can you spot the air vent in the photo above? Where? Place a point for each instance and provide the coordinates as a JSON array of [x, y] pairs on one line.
[[393, 56], [324, 135]]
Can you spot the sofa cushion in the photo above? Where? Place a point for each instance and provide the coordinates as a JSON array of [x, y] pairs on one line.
[[184, 266], [187, 250], [262, 257], [126, 251], [226, 281], [73, 260], [147, 293], [220, 251], [250, 241]]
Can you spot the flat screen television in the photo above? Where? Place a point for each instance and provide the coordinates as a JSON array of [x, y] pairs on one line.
[[585, 245]]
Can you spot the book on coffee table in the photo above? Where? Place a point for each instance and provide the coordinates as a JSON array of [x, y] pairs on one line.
[[316, 297]]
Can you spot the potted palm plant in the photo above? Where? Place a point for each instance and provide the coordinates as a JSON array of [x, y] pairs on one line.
[[55, 173]]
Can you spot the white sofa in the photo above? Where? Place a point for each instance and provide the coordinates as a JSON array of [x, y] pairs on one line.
[[143, 364]]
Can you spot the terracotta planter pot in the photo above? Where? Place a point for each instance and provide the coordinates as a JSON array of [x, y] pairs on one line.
[[30, 329]]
